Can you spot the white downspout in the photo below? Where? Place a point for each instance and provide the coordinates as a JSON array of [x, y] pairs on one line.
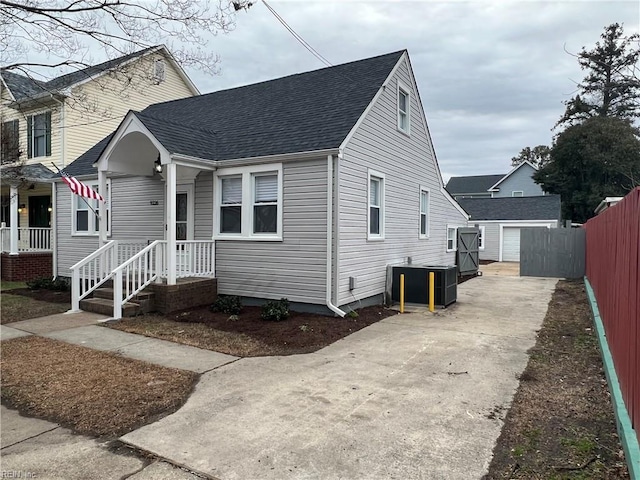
[[54, 230], [330, 304]]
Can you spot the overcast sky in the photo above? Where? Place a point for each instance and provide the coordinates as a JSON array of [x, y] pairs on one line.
[[492, 75]]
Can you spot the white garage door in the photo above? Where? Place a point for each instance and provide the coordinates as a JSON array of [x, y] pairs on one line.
[[511, 244]]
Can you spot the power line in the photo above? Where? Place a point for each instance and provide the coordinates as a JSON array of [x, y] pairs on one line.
[[302, 41]]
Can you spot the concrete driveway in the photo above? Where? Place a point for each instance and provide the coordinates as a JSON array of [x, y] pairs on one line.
[[414, 396]]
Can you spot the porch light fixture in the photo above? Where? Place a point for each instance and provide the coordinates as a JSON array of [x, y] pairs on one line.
[[21, 207], [50, 209], [157, 165]]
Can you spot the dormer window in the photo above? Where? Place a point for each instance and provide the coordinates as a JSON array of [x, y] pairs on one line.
[[404, 109], [159, 70]]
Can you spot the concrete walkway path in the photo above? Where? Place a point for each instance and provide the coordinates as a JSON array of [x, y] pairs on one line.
[[502, 269], [82, 329], [413, 396]]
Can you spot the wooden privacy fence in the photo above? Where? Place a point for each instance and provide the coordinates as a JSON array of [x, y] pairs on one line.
[[552, 252], [613, 257]]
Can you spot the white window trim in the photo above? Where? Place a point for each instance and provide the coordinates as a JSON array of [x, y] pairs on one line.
[[521, 192], [428, 212], [246, 229], [407, 91], [455, 238], [91, 232], [34, 158], [482, 236], [380, 176]]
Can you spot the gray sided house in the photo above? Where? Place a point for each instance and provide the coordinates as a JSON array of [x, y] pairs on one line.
[[500, 221], [303, 187], [517, 183]]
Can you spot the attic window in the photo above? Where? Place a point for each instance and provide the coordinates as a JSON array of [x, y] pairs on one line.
[[404, 109], [159, 70]]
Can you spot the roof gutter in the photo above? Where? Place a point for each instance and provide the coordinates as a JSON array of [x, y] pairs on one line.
[[233, 162], [329, 302]]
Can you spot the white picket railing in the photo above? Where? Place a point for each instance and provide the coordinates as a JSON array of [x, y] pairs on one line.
[[5, 239], [147, 264], [195, 258], [127, 249], [132, 276], [92, 271], [30, 239]]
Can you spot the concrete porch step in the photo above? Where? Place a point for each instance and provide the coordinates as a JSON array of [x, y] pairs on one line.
[[104, 306]]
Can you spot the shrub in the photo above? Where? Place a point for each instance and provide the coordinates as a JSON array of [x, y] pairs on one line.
[[45, 283], [276, 310], [230, 304]]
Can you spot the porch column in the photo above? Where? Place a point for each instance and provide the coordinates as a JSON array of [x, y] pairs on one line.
[[102, 207], [13, 195], [171, 223]]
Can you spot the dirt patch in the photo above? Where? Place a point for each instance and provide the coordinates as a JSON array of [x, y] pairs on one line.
[[561, 423], [19, 307], [42, 295], [91, 392], [249, 335]]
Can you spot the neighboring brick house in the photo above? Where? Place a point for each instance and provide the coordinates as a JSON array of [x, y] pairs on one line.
[[54, 122]]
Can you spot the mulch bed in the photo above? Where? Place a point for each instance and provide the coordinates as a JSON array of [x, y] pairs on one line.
[[250, 335], [561, 424], [91, 392], [43, 295]]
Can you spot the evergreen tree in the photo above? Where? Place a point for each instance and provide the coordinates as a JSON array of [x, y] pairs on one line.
[[597, 158], [610, 88]]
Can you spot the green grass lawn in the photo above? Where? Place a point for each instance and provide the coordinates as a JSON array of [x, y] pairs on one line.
[[6, 285]]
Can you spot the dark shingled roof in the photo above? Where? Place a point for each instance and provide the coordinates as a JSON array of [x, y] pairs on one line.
[[545, 207], [23, 87], [30, 173], [472, 184], [299, 113]]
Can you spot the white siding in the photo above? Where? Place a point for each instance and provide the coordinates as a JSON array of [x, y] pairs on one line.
[[203, 217], [408, 163], [295, 267], [133, 218]]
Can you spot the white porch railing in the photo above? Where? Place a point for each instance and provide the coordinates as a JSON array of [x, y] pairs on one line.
[[146, 264], [30, 239], [132, 276], [92, 271], [195, 258]]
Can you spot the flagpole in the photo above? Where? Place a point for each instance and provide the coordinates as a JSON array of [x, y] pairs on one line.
[[83, 199]]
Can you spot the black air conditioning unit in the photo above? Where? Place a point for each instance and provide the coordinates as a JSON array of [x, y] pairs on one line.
[[416, 284]]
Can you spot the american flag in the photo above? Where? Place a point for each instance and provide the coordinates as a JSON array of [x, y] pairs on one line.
[[80, 188]]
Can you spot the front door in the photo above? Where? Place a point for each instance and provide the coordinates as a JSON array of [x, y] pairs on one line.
[[39, 215]]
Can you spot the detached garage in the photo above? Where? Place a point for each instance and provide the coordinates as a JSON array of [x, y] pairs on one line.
[[501, 219]]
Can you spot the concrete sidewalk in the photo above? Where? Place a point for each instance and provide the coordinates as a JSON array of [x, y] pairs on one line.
[[413, 396], [32, 448], [82, 329]]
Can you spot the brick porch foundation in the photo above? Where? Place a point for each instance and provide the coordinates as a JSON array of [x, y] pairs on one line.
[[26, 266], [187, 293]]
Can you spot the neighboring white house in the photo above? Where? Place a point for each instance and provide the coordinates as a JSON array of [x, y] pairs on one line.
[[517, 183], [303, 187], [500, 221], [54, 122]]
